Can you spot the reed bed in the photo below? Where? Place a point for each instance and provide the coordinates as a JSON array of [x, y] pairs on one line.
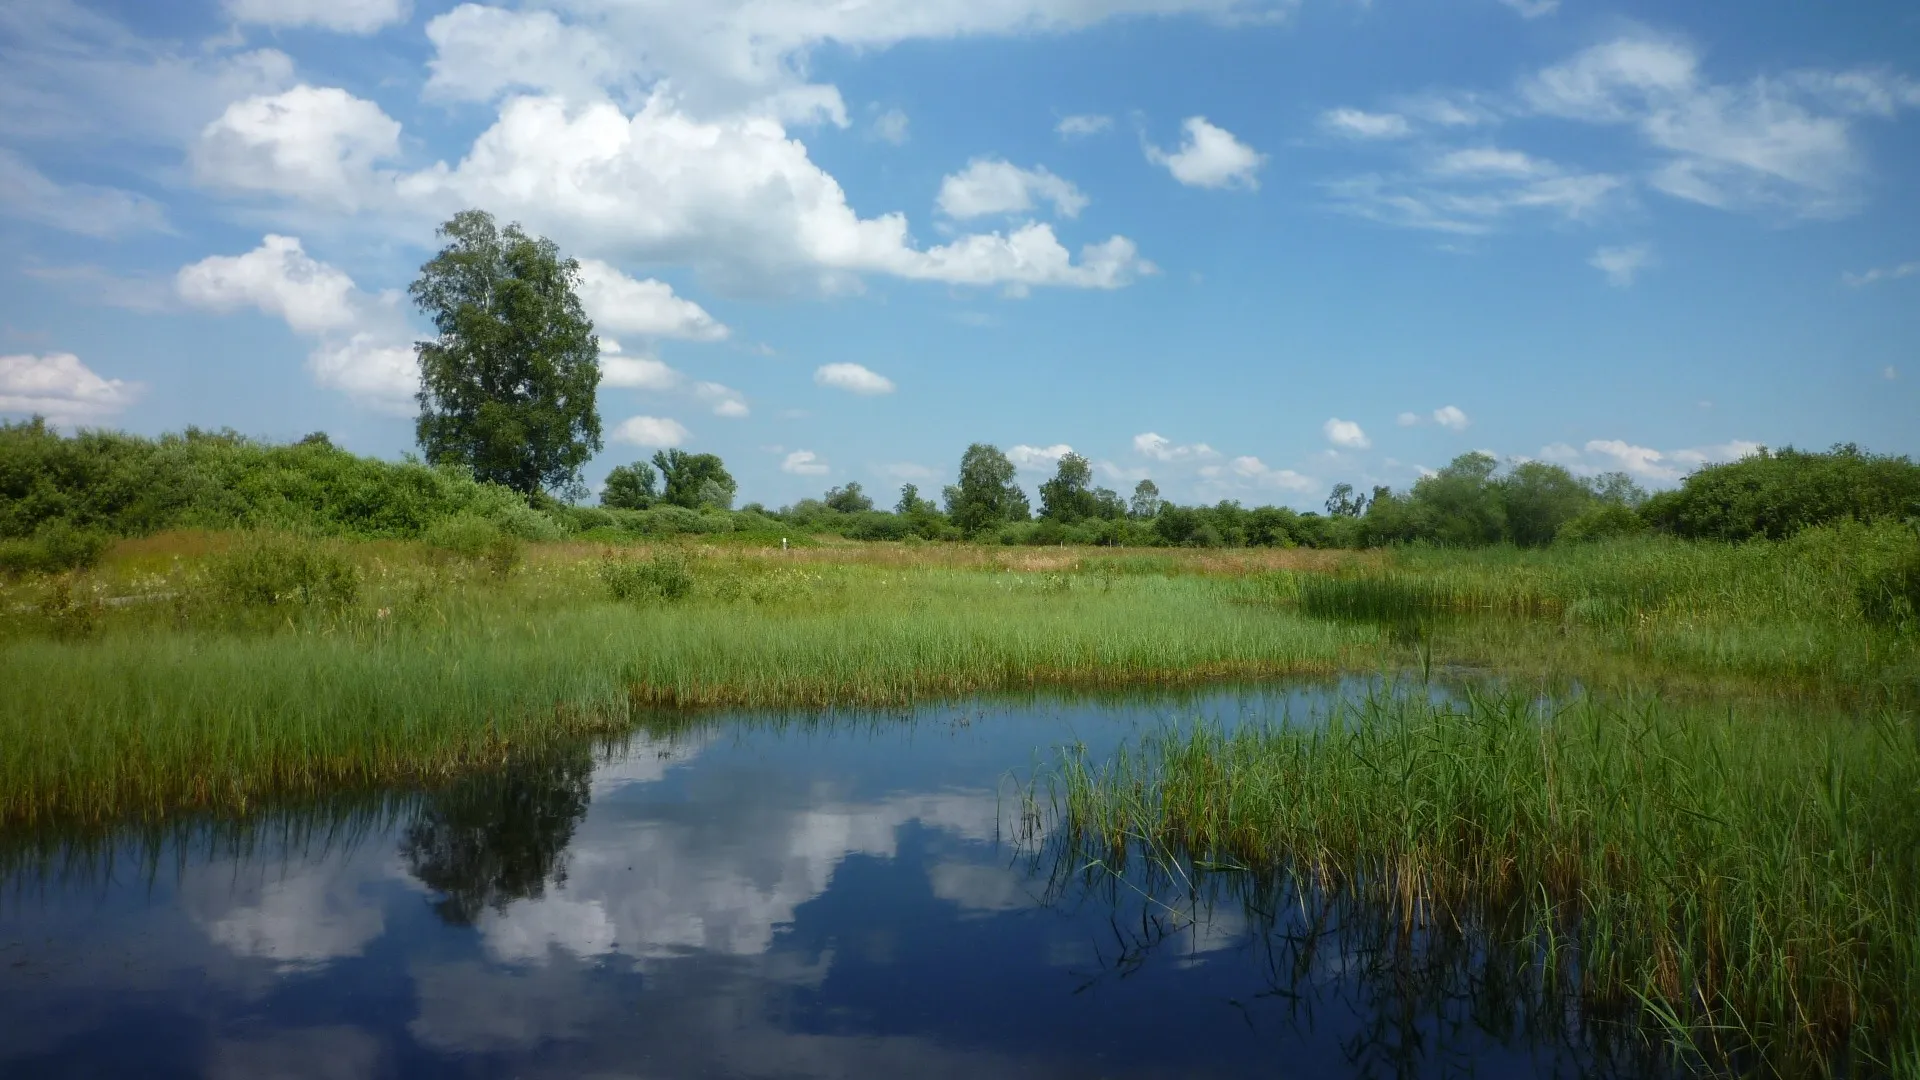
[[1747, 883], [1796, 614], [169, 680], [421, 678]]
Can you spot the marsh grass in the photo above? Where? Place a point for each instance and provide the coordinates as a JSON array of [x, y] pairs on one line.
[[1748, 884], [185, 704], [215, 672]]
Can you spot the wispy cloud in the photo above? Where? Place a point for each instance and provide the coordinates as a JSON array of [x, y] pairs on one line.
[[1880, 273], [1622, 264]]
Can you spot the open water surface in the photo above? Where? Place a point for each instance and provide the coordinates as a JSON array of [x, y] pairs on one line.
[[751, 896]]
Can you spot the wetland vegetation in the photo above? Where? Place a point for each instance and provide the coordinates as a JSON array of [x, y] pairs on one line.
[[1687, 791]]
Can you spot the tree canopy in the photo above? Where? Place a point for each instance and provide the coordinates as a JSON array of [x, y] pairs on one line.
[[630, 487], [507, 387], [849, 499], [1778, 493], [1146, 499], [986, 495], [694, 480]]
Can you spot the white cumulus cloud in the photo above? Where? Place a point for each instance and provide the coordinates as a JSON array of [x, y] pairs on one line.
[[1644, 462], [619, 371], [1408, 419], [1451, 418], [1037, 458], [853, 378], [482, 52], [991, 186], [651, 431], [646, 307], [804, 463], [279, 278], [365, 349], [1160, 448], [736, 196], [61, 388], [1346, 434], [722, 55], [316, 143], [1210, 158], [1260, 474]]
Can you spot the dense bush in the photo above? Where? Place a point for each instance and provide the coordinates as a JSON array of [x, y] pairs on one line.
[[128, 485], [279, 571], [56, 547], [1601, 522], [1776, 494], [665, 577]]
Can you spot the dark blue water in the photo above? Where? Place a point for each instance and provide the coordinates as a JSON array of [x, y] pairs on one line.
[[748, 897]]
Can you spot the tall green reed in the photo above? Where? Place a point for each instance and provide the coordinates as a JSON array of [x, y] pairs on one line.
[[1749, 883]]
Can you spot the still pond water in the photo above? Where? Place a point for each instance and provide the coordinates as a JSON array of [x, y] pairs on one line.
[[751, 896]]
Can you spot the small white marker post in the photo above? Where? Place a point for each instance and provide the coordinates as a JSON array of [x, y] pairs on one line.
[[783, 543]]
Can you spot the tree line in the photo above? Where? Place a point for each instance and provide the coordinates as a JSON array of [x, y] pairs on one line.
[[508, 417], [508, 393]]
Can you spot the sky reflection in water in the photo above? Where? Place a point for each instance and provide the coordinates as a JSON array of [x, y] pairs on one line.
[[745, 898]]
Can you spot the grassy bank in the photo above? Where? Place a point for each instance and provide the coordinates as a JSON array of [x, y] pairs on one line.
[[1749, 882], [179, 702], [214, 670]]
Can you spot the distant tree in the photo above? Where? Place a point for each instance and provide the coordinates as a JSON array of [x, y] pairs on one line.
[[1107, 504], [1176, 524], [630, 487], [694, 480], [1776, 494], [1342, 502], [1068, 497], [1538, 498], [849, 499], [1460, 505], [1146, 500], [1617, 488], [911, 503], [986, 495], [507, 387], [1272, 526], [317, 438]]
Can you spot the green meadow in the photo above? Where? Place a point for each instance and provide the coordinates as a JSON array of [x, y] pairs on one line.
[[1686, 781]]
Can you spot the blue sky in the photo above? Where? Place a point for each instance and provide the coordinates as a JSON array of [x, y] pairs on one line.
[[1249, 248]]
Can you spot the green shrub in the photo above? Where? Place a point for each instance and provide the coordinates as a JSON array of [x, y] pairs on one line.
[[1603, 521], [663, 578], [579, 519], [55, 548], [282, 571], [1780, 493], [527, 523], [129, 485]]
